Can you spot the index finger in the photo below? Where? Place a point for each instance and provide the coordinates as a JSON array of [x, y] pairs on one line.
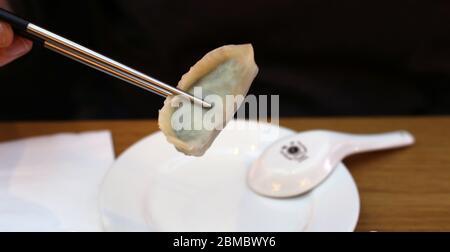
[[6, 35]]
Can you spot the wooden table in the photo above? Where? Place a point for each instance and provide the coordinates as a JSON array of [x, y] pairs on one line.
[[401, 190]]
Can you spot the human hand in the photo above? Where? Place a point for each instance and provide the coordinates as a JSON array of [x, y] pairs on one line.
[[11, 46]]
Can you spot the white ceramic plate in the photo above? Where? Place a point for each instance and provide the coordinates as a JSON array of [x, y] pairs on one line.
[[152, 187]]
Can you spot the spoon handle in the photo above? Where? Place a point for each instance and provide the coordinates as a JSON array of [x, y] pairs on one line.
[[375, 142]]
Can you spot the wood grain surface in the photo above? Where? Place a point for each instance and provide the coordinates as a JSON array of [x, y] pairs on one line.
[[401, 190]]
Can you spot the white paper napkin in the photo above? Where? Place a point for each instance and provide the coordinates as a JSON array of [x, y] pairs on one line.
[[51, 183]]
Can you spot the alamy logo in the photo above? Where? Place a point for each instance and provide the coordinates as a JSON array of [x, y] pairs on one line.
[[189, 117]]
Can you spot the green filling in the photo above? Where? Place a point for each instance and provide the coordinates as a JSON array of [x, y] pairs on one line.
[[221, 81]]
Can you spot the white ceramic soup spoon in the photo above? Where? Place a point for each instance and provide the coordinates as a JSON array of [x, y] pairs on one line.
[[297, 164]]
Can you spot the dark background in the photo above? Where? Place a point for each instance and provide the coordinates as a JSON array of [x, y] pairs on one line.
[[347, 57]]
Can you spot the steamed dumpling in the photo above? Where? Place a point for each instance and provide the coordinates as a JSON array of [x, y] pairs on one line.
[[229, 70]]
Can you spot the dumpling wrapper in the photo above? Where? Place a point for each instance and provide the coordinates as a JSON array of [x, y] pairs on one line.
[[228, 70]]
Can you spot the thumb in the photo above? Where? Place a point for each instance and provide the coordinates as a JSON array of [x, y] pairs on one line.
[[18, 48]]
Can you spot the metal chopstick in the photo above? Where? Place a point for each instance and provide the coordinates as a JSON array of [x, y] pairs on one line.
[[110, 71], [95, 60]]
